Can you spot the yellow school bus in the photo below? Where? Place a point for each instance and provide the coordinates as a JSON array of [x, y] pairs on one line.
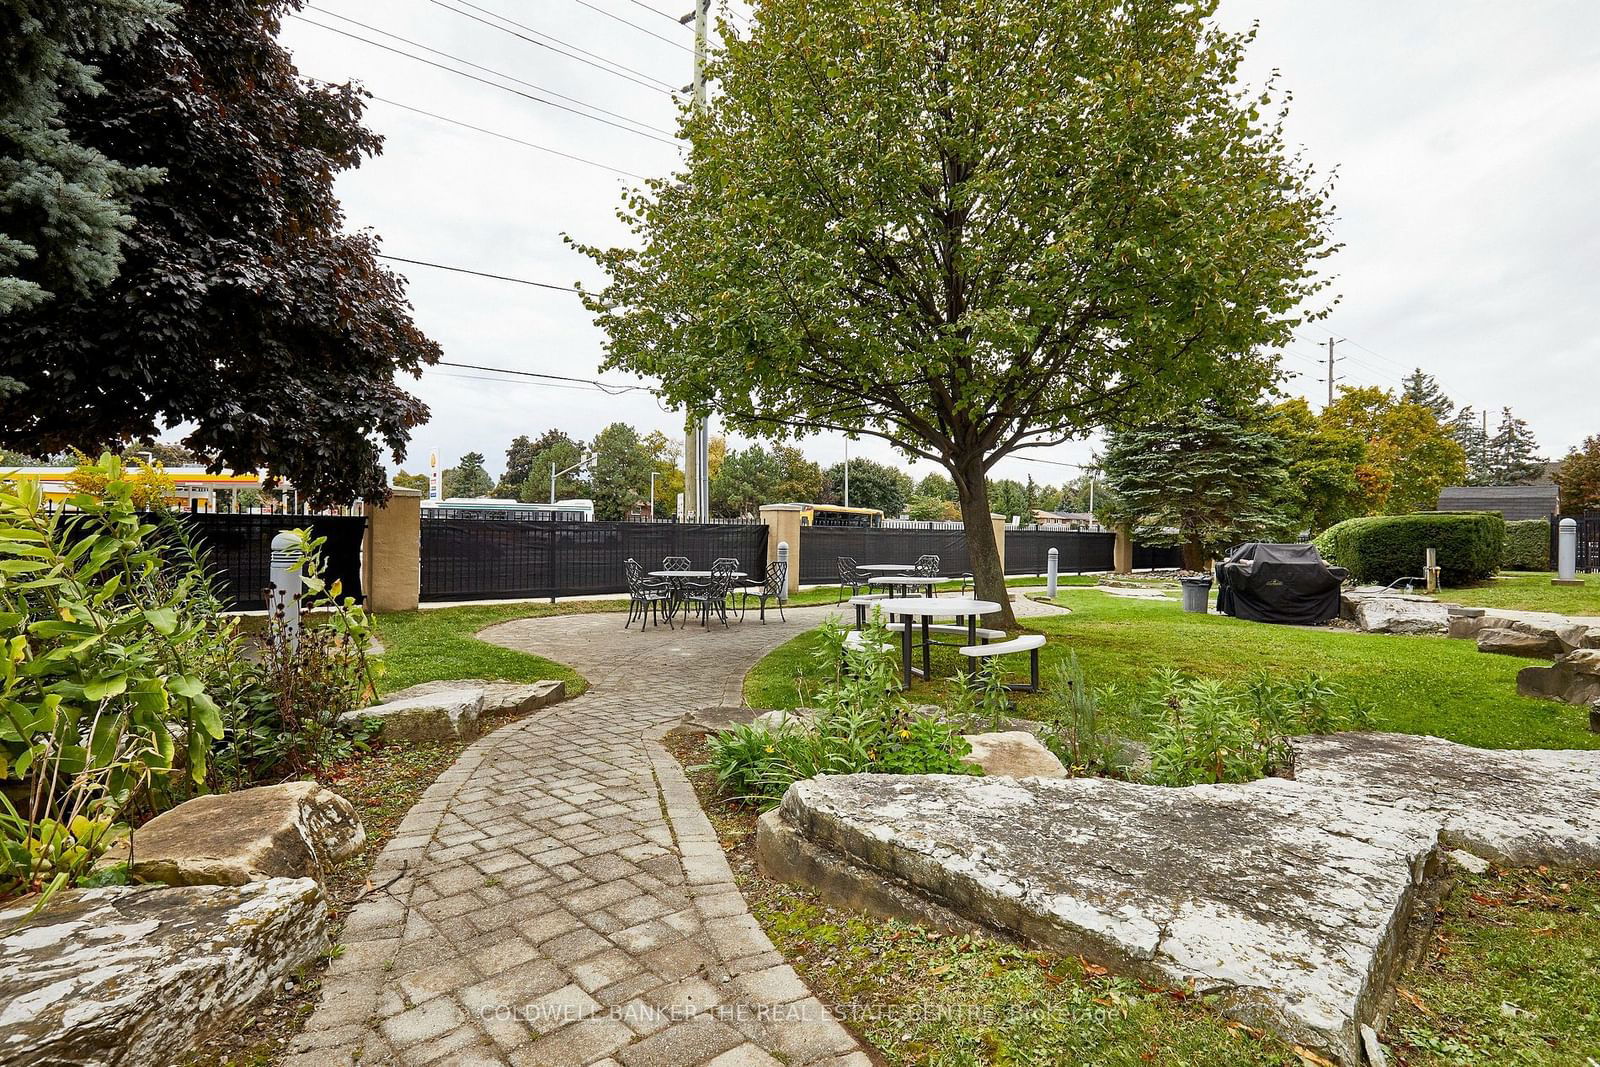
[[838, 515], [193, 488]]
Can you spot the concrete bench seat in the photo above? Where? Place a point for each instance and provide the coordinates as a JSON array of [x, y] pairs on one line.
[[1029, 643], [863, 601]]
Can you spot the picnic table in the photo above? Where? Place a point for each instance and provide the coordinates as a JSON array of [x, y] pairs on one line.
[[908, 582], [692, 574], [923, 610], [887, 568]]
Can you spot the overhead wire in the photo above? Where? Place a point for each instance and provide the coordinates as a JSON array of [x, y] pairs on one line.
[[480, 273], [668, 140], [642, 29], [594, 60], [510, 137], [476, 66]]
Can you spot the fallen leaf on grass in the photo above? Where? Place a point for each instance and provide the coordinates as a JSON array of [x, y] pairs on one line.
[[1412, 999]]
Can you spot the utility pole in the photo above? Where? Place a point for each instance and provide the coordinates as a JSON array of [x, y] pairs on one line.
[[1331, 376], [697, 434], [847, 472], [653, 495]]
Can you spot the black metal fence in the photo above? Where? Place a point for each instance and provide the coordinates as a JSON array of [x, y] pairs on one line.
[[1588, 540], [239, 548], [489, 558], [1027, 551], [821, 547]]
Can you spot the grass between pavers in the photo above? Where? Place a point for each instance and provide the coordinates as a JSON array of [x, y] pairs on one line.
[[1509, 976], [1529, 591], [442, 644], [1420, 685], [918, 997]]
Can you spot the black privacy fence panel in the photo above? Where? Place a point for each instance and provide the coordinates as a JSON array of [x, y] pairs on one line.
[[491, 558], [821, 547], [1028, 551], [1157, 557], [238, 549]]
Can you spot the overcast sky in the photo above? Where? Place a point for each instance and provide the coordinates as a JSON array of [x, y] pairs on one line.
[[1464, 133]]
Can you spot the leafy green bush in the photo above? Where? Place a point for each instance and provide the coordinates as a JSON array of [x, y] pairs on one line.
[[1207, 730], [1382, 548], [1527, 545], [861, 724], [107, 626]]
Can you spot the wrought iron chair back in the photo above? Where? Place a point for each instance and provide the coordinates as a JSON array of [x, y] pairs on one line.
[[926, 565], [675, 563]]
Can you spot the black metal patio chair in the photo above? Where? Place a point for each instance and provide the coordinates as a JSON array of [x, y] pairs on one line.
[[851, 575], [675, 563], [646, 596], [771, 589], [711, 594]]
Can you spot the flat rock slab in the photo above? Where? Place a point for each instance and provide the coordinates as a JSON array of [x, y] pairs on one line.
[[1574, 678], [443, 715], [138, 975], [499, 698], [1288, 898], [1014, 753], [293, 830], [1408, 615]]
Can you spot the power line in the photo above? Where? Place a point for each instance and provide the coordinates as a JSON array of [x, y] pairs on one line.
[[642, 78], [496, 85], [475, 66], [655, 11], [614, 388], [635, 25], [481, 274], [509, 137]]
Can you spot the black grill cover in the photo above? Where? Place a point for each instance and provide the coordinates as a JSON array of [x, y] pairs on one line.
[[1279, 583]]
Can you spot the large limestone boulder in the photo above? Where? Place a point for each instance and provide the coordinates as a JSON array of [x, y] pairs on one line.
[[499, 698], [1574, 678], [1510, 642], [1016, 753], [443, 715], [294, 830], [139, 975], [1402, 615], [1289, 900]]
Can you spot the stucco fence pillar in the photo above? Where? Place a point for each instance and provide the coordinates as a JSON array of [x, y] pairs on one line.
[[1122, 553], [783, 524], [393, 552]]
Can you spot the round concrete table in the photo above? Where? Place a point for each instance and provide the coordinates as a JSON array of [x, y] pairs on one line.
[[925, 609]]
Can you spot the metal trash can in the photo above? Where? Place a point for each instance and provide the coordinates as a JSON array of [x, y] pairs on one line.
[[1196, 594]]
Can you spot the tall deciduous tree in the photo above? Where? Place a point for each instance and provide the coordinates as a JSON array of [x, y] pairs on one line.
[[468, 478], [63, 201], [1200, 478], [560, 454], [1578, 478], [1323, 458], [241, 307], [967, 228], [619, 470], [666, 456], [418, 481], [1407, 457], [872, 485]]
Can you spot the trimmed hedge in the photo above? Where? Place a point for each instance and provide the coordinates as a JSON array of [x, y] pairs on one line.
[[1527, 545], [1382, 548]]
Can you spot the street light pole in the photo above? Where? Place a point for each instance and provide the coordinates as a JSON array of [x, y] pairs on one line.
[[653, 496], [554, 475]]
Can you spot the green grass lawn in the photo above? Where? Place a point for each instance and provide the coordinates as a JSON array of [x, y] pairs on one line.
[[441, 643], [1530, 591], [1509, 976], [1413, 684]]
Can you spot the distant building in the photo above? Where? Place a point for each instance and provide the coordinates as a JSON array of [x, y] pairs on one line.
[[194, 488], [1513, 502], [1071, 520]]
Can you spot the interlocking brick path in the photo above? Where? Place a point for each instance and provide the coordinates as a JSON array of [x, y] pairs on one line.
[[559, 896]]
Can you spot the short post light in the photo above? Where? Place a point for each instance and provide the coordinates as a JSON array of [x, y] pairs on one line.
[[1051, 569]]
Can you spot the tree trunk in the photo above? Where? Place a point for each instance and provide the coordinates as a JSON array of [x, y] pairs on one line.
[[983, 553], [1194, 556]]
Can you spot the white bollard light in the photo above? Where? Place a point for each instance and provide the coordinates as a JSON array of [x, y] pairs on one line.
[[783, 558], [1051, 569], [286, 585], [1567, 551]]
